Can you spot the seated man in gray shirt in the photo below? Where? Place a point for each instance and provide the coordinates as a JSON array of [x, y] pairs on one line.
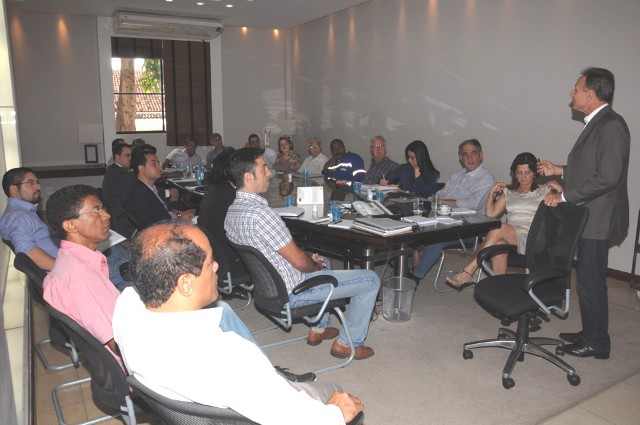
[[466, 188]]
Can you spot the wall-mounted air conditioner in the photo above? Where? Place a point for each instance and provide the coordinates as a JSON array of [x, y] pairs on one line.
[[166, 27]]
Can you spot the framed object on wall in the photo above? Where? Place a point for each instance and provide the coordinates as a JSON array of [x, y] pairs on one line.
[[91, 154]]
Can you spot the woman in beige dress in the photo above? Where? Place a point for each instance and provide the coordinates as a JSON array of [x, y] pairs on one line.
[[520, 199]]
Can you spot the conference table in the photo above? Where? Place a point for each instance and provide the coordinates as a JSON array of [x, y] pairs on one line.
[[355, 247]]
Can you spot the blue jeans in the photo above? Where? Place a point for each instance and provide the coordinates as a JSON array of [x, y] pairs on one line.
[[431, 253], [116, 256], [360, 285], [230, 322], [593, 258]]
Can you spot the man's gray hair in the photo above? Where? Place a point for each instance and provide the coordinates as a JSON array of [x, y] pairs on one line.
[[473, 142]]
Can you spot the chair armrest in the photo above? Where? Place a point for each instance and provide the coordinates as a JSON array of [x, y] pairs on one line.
[[490, 251], [313, 282], [542, 276]]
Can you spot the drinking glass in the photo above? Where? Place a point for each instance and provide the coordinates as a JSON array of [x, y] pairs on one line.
[[417, 207]]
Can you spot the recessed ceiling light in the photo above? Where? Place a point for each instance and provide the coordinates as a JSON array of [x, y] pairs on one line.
[[200, 3], [169, 1], [229, 5]]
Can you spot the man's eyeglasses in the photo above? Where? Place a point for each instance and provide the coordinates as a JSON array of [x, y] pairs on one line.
[[377, 146], [314, 147], [96, 211], [31, 183]]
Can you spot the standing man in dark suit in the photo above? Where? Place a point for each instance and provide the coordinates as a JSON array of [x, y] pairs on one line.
[[115, 184], [596, 176]]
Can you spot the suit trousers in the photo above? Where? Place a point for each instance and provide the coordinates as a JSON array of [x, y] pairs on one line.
[[593, 259]]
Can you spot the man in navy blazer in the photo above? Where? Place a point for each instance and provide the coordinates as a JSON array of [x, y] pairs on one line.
[[595, 176], [115, 184], [143, 201]]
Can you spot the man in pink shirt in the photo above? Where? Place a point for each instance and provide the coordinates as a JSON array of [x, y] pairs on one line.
[[78, 284]]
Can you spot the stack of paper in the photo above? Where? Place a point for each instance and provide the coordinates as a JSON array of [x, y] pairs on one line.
[[381, 226], [462, 211], [342, 224], [289, 211], [378, 188], [420, 220]]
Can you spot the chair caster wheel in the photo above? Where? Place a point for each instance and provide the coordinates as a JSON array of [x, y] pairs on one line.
[[573, 380], [508, 383], [521, 357], [559, 351], [467, 354]]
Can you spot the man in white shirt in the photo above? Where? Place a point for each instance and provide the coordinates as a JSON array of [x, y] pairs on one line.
[[163, 322], [314, 163], [467, 188], [184, 156]]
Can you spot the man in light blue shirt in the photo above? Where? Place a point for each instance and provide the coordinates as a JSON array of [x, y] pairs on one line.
[[22, 227], [467, 188]]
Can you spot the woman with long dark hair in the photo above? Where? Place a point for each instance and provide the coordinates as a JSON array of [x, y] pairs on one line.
[[418, 176], [520, 200]]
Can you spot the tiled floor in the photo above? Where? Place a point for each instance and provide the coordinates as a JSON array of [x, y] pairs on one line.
[[619, 405]]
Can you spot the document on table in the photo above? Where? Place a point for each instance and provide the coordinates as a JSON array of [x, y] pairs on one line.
[[420, 220], [289, 211], [342, 224]]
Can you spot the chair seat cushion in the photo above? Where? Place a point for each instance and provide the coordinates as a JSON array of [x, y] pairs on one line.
[[504, 294]]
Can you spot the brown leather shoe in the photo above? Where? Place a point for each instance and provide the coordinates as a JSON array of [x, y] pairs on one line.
[[316, 338], [342, 351]]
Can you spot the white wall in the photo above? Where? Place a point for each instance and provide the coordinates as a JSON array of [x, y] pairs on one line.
[[445, 71], [57, 86], [253, 82]]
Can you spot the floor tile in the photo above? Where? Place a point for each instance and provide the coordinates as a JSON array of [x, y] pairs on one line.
[[72, 414], [634, 380], [619, 404], [576, 416]]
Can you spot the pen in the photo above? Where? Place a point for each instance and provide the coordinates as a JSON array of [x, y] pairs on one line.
[[336, 221]]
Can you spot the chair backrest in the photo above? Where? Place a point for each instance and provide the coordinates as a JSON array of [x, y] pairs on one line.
[[554, 235], [108, 381], [174, 412], [213, 210], [228, 259], [9, 244], [269, 290], [35, 275]]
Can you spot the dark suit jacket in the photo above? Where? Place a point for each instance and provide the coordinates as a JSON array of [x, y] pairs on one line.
[[115, 185], [596, 175], [144, 206]]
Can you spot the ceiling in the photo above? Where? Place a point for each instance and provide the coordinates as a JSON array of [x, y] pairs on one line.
[[281, 14]]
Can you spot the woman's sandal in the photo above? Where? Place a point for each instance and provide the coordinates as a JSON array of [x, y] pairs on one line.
[[456, 281]]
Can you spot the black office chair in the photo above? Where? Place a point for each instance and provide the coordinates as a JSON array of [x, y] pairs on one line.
[[234, 280], [272, 299], [57, 336], [551, 245], [109, 386], [174, 412]]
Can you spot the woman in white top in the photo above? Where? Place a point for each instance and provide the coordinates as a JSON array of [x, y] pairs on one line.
[[520, 199]]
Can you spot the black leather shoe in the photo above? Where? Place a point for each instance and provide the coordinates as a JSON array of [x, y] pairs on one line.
[[290, 376], [581, 350], [574, 338]]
